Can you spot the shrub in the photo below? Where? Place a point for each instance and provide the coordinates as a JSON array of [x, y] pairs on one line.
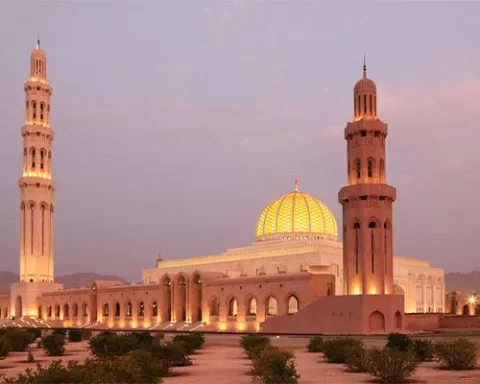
[[87, 334], [107, 345], [36, 332], [399, 341], [4, 347], [144, 340], [252, 344], [60, 331], [192, 341], [171, 355], [424, 350], [315, 344], [75, 335], [391, 365], [280, 369], [30, 357], [159, 337], [261, 362], [18, 339], [341, 349], [458, 355], [359, 361], [54, 344]]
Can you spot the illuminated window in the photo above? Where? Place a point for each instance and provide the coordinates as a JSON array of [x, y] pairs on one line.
[[154, 309], [252, 307], [233, 307], [129, 309], [85, 310], [141, 310], [49, 311], [214, 307], [272, 306], [292, 305], [106, 310]]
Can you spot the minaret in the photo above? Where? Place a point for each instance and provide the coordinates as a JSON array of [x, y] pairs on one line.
[[36, 185], [367, 199]]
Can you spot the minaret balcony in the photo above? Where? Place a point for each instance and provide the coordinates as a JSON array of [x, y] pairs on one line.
[[357, 191], [40, 129], [368, 125]]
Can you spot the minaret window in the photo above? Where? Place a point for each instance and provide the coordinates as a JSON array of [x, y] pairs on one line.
[[370, 168], [42, 156], [41, 111], [385, 243], [359, 168], [372, 225], [32, 221], [364, 104], [356, 227], [33, 157], [43, 230], [382, 170], [371, 106]]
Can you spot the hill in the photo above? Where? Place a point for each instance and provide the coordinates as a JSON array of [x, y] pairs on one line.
[[73, 280], [462, 282]]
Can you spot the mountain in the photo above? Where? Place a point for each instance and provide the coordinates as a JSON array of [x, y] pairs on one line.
[[73, 280], [462, 282]]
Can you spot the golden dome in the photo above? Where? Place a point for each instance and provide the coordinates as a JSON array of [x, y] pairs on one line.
[[296, 215]]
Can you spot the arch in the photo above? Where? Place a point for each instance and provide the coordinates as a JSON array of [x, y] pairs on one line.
[[39, 312], [252, 306], [271, 306], [381, 169], [75, 310], [196, 297], [377, 321], [57, 311], [33, 154], [128, 309], [465, 310], [453, 303], [66, 312], [292, 305], [141, 309], [167, 298], [397, 290], [180, 295], [477, 309], [18, 307], [84, 309], [117, 309], [358, 168], [370, 167], [49, 311], [42, 158], [154, 309], [214, 307], [398, 320], [233, 307], [106, 310]]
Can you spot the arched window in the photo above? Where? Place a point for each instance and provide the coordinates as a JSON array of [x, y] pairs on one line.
[[141, 309], [42, 107], [66, 311], [233, 307], [358, 166], [386, 226], [252, 307], [370, 167], [42, 157], [356, 227], [154, 309], [34, 153], [49, 311], [117, 310], [57, 311], [129, 309], [272, 306], [364, 104], [85, 310], [214, 307], [34, 110], [372, 225], [292, 305], [381, 167], [27, 110], [106, 310], [75, 310]]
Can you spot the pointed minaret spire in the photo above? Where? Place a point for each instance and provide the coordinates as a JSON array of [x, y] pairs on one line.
[[38, 40], [296, 183], [364, 65]]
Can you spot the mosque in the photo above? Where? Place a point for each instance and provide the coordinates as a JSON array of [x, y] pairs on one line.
[[295, 273]]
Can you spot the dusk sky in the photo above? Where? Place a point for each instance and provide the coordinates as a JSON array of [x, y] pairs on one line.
[[176, 122]]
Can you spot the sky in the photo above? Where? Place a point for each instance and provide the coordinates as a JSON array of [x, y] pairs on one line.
[[176, 122]]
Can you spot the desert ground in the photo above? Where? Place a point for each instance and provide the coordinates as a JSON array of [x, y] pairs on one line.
[[222, 361]]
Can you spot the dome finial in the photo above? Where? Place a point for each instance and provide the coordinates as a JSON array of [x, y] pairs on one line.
[[38, 40], [296, 183], [364, 65]]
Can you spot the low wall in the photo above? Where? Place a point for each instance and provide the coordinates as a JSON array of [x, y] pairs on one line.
[[422, 321], [453, 321]]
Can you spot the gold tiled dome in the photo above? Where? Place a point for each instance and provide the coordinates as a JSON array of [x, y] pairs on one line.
[[296, 215]]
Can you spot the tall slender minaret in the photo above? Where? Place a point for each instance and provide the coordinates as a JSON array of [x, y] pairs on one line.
[[367, 200], [36, 185]]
